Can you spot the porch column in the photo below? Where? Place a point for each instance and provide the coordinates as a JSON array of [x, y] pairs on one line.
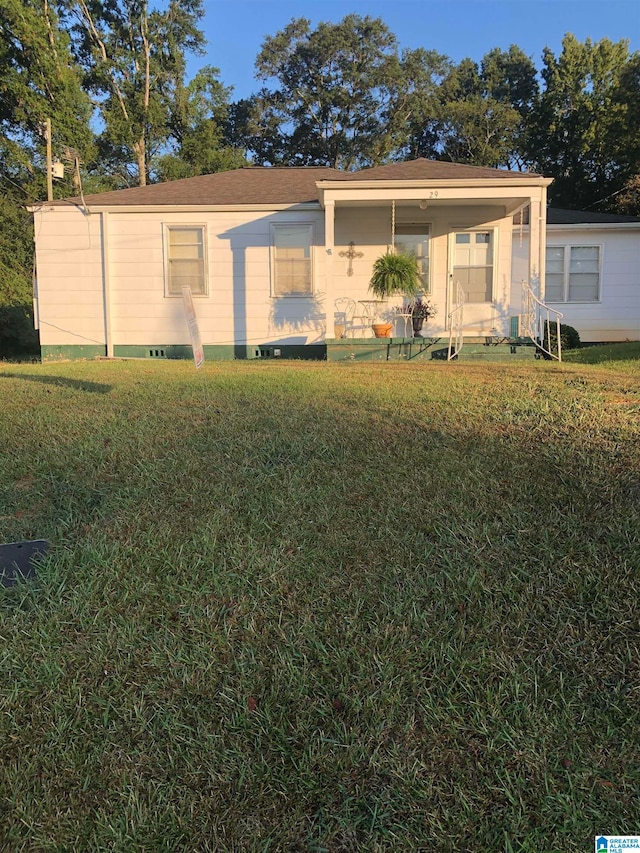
[[537, 231], [543, 242], [329, 292]]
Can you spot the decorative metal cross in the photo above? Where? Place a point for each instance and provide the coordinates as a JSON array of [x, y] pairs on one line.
[[351, 254]]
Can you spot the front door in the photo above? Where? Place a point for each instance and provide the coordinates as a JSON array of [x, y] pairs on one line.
[[472, 266]]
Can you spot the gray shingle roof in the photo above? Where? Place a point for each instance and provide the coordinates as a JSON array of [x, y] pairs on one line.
[[561, 216], [251, 185], [432, 170], [558, 216], [280, 185]]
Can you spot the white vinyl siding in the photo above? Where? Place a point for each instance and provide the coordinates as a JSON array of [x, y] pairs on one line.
[[70, 278], [291, 260], [473, 264], [573, 274], [186, 259]]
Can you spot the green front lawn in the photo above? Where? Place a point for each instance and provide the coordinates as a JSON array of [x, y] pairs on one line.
[[320, 607], [607, 354]]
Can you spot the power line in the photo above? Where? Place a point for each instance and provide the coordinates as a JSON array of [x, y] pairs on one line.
[[17, 186]]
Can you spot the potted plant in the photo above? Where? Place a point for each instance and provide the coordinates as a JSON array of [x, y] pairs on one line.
[[394, 273], [420, 310]]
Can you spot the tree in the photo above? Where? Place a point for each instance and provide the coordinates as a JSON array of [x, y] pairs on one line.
[[340, 94], [628, 199], [582, 129], [481, 110], [627, 99], [415, 108], [17, 335], [198, 122], [479, 131], [39, 81], [134, 64], [509, 77], [257, 135]]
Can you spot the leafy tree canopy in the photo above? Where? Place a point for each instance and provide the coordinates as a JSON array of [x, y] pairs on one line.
[[39, 81], [154, 124], [584, 122], [340, 94], [482, 110]]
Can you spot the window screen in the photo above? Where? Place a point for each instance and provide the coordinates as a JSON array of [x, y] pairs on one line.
[[291, 260], [186, 260], [414, 240]]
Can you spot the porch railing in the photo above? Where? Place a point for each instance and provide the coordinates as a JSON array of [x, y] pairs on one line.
[[537, 321], [455, 323]]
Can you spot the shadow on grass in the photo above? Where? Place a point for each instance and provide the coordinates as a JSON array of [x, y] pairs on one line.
[[62, 382]]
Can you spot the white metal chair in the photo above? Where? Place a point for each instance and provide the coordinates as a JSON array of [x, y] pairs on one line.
[[405, 314], [345, 310], [366, 313]]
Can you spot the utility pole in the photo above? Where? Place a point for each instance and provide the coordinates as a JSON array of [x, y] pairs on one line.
[[47, 134]]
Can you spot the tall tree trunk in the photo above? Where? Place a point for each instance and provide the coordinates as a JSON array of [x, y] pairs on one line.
[[140, 151]]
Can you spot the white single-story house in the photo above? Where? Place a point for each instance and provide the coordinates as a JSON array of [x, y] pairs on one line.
[[273, 256]]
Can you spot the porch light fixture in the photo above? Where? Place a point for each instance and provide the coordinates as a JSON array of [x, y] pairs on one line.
[[423, 204]]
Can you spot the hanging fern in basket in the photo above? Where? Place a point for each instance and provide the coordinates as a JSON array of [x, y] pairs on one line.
[[395, 273]]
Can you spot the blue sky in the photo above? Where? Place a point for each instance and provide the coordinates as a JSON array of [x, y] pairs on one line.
[[236, 28]]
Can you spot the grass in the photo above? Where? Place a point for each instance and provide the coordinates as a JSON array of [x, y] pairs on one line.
[[607, 354], [320, 607]]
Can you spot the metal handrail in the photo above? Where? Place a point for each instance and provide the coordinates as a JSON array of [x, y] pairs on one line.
[[536, 322], [455, 324]]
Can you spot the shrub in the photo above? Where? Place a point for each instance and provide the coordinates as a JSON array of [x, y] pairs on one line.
[[569, 337]]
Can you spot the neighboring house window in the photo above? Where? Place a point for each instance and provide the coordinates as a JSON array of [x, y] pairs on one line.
[[291, 260], [473, 264], [414, 240], [572, 274], [186, 259]]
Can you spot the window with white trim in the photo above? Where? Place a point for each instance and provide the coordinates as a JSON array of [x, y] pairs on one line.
[[572, 274], [185, 245], [473, 264], [291, 268], [414, 240]]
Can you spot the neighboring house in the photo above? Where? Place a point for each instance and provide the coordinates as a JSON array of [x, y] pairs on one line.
[[592, 271], [268, 251]]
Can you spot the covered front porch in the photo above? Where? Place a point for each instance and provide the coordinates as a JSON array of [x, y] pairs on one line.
[[460, 229]]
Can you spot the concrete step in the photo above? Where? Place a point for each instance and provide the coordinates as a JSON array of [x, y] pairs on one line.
[[495, 356], [425, 349], [496, 352]]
